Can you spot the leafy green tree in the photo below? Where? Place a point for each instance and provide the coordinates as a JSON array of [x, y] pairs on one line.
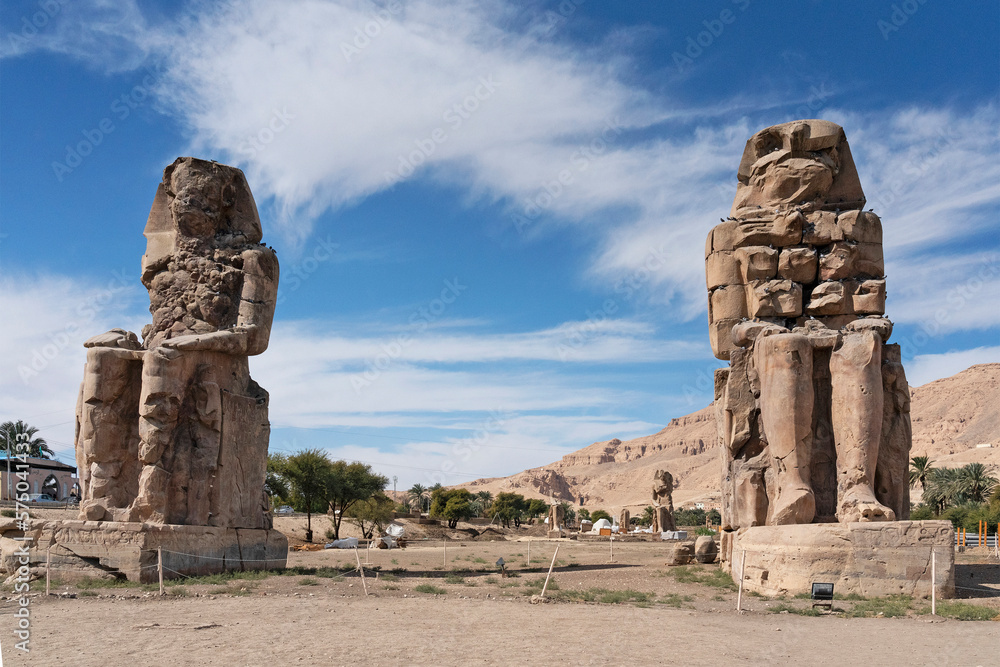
[[597, 515], [584, 514], [275, 485], [920, 470], [453, 505], [13, 433], [308, 474], [508, 507], [714, 517], [535, 508], [693, 517], [371, 515], [349, 484]]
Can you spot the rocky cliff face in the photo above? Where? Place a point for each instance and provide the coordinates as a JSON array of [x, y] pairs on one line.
[[950, 418]]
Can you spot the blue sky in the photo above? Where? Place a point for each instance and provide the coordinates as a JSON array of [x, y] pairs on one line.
[[490, 216]]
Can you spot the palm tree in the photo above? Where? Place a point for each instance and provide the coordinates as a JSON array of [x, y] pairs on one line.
[[418, 492], [920, 468], [942, 488], [13, 433], [485, 500], [975, 482]]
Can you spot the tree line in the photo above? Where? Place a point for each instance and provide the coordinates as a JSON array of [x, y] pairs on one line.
[[965, 496]]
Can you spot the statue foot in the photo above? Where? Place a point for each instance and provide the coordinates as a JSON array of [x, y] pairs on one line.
[[794, 506], [859, 504]]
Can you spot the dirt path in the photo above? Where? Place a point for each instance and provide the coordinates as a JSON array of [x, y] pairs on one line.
[[291, 630]]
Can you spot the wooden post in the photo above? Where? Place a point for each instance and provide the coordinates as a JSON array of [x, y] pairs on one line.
[[159, 566], [529, 554], [551, 565], [933, 583], [361, 570], [611, 540], [739, 595], [445, 559], [48, 562]]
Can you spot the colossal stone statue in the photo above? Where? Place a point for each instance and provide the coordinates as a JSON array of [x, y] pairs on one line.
[[663, 501], [813, 410], [557, 519], [174, 430], [172, 433]]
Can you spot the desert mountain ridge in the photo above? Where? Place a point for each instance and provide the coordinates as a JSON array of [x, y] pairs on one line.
[[951, 418]]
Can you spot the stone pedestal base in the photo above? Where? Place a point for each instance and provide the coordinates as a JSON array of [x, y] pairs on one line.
[[552, 534], [119, 549], [870, 559]]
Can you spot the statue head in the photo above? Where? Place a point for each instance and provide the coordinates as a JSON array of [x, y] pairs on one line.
[[199, 203], [804, 161]]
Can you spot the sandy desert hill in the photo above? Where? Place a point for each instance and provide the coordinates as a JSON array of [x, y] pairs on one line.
[[950, 418]]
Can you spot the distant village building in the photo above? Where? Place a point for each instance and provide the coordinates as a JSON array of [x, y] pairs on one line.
[[54, 478]]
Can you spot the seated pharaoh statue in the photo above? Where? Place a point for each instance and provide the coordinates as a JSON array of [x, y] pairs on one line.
[[813, 412], [174, 430]]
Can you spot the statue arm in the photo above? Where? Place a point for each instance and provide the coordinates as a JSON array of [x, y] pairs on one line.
[[116, 338]]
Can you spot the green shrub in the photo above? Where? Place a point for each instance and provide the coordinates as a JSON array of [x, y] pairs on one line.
[[427, 588], [801, 611], [454, 579], [964, 611], [890, 606]]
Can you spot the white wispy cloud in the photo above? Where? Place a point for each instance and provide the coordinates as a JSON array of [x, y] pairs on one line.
[[477, 94]]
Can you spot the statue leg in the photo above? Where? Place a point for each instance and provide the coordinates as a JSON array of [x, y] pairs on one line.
[[784, 364], [163, 387], [107, 410], [856, 378]]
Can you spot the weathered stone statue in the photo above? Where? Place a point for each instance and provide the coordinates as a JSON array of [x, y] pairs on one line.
[[623, 521], [813, 411], [557, 518], [172, 433], [663, 501], [174, 430]]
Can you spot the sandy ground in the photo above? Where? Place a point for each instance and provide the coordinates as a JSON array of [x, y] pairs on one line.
[[479, 618]]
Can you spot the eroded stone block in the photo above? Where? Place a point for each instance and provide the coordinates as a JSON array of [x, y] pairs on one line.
[[775, 298], [798, 264], [757, 263]]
